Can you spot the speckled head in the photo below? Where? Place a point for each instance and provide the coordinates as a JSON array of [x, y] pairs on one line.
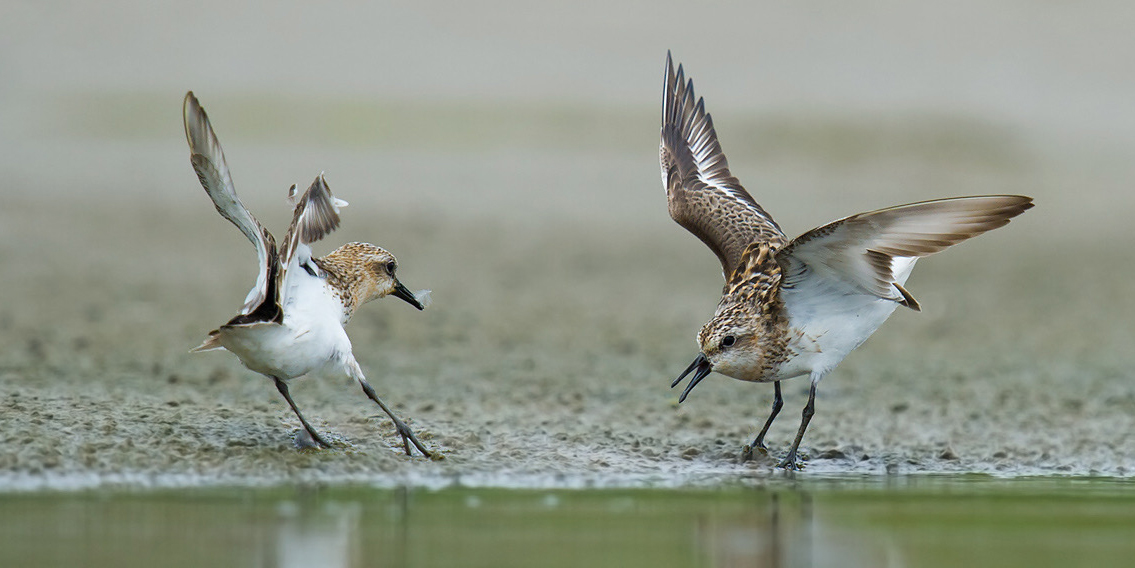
[[367, 272], [732, 343], [729, 345], [747, 337]]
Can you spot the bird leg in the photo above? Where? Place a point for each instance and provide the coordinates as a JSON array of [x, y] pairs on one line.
[[283, 388], [789, 461], [759, 442], [408, 436], [401, 427]]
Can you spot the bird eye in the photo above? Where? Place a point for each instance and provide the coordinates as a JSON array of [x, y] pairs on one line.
[[391, 266], [728, 341]]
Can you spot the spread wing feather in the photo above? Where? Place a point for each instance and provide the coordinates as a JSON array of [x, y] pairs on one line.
[[703, 195], [866, 251], [315, 215], [209, 162]]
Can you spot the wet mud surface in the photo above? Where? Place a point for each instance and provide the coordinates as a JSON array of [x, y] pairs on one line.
[[545, 359]]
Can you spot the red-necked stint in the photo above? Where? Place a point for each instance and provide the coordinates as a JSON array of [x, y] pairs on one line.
[[292, 320], [796, 307]]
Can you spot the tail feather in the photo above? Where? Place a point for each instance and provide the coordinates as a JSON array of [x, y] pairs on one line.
[[211, 344]]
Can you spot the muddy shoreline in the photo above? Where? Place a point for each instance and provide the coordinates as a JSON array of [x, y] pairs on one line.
[[547, 366]]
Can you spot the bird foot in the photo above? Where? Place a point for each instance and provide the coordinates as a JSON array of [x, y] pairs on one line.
[[747, 451], [408, 437], [789, 463], [308, 439]]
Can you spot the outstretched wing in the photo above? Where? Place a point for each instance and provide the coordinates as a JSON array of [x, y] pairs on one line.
[[315, 215], [209, 162], [703, 196], [872, 253]]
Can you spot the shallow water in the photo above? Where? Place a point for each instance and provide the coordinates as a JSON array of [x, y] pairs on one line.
[[904, 521]]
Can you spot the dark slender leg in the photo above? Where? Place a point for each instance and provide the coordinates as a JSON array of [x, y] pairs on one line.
[[759, 443], [789, 461], [403, 429], [777, 403], [283, 388]]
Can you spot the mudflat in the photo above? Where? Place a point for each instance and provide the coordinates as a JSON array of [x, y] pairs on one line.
[[565, 301]]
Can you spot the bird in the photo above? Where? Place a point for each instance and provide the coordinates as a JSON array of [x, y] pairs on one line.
[[293, 318], [793, 308]]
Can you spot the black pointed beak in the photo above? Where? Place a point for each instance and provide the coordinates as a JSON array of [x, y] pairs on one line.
[[401, 291], [700, 368]]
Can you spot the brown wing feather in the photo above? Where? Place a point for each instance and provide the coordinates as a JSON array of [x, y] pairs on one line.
[[208, 161], [861, 249], [316, 214], [703, 195]]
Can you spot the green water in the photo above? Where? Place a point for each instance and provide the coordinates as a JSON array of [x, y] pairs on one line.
[[841, 522]]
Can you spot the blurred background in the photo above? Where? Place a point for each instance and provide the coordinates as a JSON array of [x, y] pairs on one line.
[[507, 153], [459, 112]]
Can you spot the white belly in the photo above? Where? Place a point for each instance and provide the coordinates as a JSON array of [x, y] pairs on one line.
[[821, 341], [829, 319], [310, 338], [282, 351]]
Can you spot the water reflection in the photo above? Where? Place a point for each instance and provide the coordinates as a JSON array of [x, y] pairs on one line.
[[766, 527], [771, 529], [317, 534], [786, 531], [761, 538]]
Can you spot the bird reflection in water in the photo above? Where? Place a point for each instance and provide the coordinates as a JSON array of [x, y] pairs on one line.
[[787, 531], [323, 533]]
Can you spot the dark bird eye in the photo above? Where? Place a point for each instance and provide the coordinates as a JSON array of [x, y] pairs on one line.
[[390, 266], [728, 341]]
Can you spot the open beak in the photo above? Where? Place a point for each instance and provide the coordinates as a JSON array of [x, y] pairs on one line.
[[401, 291], [700, 368]]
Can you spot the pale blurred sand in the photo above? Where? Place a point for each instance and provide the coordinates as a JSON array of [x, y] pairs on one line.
[[524, 191]]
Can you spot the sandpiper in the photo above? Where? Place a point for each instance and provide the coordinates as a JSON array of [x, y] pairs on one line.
[[796, 307], [292, 320]]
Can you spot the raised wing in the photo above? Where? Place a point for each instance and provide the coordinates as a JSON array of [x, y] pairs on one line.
[[703, 196], [872, 253], [209, 162], [315, 215]]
